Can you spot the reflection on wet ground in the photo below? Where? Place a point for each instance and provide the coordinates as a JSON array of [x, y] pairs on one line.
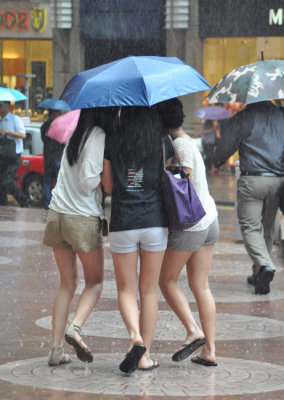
[[249, 333]]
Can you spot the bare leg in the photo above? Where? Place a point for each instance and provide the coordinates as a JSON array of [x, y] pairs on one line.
[[173, 263], [127, 287], [150, 267], [198, 268], [93, 273], [66, 262]]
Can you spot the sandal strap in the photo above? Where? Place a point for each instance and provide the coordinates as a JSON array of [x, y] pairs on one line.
[[77, 328]]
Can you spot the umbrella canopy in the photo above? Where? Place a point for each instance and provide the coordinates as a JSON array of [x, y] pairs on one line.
[[54, 104], [11, 95], [213, 112], [133, 81], [63, 126], [251, 83]]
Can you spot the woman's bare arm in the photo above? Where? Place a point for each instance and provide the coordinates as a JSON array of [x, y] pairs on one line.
[[107, 179]]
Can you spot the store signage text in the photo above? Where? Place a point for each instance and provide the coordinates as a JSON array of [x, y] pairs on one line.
[[276, 17], [12, 20]]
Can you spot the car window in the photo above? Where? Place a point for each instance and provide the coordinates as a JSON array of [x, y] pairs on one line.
[[28, 149]]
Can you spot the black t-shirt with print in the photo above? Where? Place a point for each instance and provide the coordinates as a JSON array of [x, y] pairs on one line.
[[136, 198]]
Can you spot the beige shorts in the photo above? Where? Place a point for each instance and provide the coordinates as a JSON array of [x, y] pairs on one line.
[[74, 232]]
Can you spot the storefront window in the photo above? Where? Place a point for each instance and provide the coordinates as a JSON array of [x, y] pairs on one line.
[[221, 55], [27, 57]]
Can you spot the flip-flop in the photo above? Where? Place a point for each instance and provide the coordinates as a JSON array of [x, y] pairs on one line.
[[151, 367], [131, 361], [201, 361], [188, 349]]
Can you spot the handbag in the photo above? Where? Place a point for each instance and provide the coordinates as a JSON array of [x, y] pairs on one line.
[[183, 207], [7, 149]]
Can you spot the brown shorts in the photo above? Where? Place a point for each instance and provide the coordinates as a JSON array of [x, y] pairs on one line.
[[74, 232]]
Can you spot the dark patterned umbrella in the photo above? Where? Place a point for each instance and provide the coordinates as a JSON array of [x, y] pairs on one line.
[[251, 83]]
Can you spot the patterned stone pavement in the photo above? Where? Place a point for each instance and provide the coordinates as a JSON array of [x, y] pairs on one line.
[[249, 331]]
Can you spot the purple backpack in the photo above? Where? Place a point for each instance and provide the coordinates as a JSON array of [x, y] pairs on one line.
[[183, 207]]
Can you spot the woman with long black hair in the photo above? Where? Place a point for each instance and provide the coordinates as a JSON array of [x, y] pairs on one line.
[[138, 226], [74, 228]]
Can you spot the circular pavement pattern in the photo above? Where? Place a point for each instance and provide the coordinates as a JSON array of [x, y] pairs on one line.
[[17, 242], [222, 292], [20, 226], [228, 326], [232, 377], [5, 260]]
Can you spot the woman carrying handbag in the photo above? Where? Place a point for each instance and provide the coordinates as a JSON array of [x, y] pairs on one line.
[[192, 247]]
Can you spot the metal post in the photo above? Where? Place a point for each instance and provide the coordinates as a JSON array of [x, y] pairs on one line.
[[27, 76]]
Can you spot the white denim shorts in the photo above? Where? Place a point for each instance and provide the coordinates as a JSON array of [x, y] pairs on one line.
[[149, 239]]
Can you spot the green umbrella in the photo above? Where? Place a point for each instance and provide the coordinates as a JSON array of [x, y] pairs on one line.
[[251, 83]]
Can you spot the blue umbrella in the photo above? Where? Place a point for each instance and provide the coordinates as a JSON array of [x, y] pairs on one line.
[[54, 104], [11, 95], [133, 81]]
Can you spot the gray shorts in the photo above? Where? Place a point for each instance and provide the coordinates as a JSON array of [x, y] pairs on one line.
[[193, 240], [73, 232]]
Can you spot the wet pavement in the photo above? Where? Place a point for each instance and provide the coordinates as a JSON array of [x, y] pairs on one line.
[[249, 327]]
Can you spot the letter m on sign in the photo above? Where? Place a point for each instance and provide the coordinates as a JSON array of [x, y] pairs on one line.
[[276, 18]]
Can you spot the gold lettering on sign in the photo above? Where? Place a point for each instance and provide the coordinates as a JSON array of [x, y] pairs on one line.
[[38, 19]]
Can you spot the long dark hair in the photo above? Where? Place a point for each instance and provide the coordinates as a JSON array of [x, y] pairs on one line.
[[89, 118], [137, 139]]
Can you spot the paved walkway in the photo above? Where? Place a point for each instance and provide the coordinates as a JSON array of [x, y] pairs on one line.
[[249, 331]]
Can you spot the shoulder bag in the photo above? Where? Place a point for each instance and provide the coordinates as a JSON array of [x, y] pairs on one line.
[[183, 207]]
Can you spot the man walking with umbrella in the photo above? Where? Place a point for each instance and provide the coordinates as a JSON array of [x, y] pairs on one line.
[[12, 128], [257, 132]]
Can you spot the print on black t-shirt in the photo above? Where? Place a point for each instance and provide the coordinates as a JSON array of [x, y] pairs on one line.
[[134, 180]]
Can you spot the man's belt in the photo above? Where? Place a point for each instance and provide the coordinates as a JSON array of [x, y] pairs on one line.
[[248, 173]]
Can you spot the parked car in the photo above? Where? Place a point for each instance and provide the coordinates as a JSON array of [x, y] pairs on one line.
[[29, 177]]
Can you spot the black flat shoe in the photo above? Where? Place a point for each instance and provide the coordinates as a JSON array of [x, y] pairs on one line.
[[131, 361], [188, 349], [151, 367], [202, 361]]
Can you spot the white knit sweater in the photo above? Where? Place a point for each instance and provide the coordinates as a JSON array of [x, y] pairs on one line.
[[188, 155]]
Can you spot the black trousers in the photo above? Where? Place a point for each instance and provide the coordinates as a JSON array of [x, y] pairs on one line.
[[8, 171]]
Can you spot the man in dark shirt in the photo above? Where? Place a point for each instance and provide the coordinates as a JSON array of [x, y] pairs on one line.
[[258, 133], [52, 151]]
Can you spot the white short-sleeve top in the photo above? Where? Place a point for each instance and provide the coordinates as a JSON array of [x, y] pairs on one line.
[[188, 155], [77, 191]]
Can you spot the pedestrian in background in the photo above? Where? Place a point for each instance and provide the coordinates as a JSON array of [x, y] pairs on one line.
[[52, 154], [209, 139], [257, 132], [138, 226], [12, 128], [192, 247], [74, 228]]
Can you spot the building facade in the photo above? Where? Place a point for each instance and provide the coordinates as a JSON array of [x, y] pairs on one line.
[[54, 39]]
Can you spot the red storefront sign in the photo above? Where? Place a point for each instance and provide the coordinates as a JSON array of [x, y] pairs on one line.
[[25, 20]]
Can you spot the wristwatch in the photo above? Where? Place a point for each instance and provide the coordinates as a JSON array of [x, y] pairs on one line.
[[6, 133]]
